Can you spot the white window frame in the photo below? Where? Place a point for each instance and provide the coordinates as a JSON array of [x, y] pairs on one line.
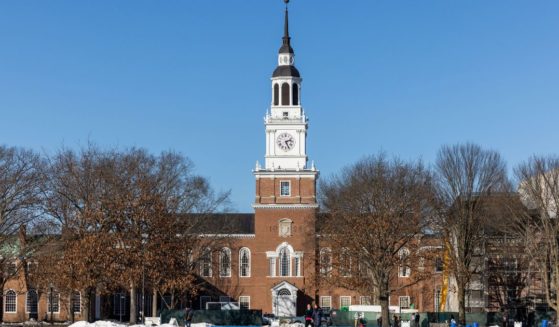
[[280, 261], [400, 302], [222, 254], [344, 253], [57, 303], [6, 301], [362, 298], [325, 268], [288, 187], [272, 266], [244, 297], [324, 297], [345, 297], [203, 303], [241, 251], [27, 301], [79, 294]]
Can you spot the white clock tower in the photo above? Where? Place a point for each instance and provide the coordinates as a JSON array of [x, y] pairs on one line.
[[286, 123]]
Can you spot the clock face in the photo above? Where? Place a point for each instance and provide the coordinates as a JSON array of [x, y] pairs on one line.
[[285, 141]]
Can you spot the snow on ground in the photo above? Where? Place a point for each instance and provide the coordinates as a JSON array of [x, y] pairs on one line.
[[104, 323]]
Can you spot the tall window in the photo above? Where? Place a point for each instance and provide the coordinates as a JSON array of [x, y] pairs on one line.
[[285, 188], [120, 304], [225, 262], [285, 94], [53, 301], [31, 302], [244, 262], [284, 260], [345, 263], [438, 296], [297, 266], [272, 267], [325, 261], [206, 263], [276, 94], [76, 302], [10, 302], [404, 270], [244, 302], [295, 94]]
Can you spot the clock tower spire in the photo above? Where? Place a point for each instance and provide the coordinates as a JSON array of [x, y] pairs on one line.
[[286, 132]]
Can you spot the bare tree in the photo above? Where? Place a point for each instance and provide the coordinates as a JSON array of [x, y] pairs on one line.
[[467, 176], [122, 220], [21, 179], [538, 180], [376, 212]]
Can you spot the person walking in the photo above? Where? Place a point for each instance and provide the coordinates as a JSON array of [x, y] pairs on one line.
[[188, 313], [396, 322], [316, 316], [308, 315], [416, 318]]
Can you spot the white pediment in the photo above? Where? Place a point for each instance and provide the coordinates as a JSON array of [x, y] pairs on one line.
[[290, 287]]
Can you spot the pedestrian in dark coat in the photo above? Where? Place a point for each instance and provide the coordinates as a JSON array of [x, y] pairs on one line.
[[308, 316], [316, 316]]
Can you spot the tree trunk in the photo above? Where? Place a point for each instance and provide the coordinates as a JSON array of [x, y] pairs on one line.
[[132, 304], [461, 302], [154, 304], [383, 297]]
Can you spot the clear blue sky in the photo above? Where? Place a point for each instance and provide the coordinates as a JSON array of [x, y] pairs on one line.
[[404, 77]]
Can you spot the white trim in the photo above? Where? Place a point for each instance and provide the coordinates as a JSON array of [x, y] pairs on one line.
[[400, 302], [209, 298], [361, 298], [6, 302], [345, 297], [284, 206], [241, 263], [289, 188], [326, 297], [244, 297]]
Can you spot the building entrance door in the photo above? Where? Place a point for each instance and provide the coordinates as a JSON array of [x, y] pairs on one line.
[[284, 299]]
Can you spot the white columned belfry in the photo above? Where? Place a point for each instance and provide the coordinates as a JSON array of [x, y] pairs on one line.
[[286, 124]]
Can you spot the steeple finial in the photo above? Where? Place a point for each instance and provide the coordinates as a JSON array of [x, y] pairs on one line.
[[286, 46]]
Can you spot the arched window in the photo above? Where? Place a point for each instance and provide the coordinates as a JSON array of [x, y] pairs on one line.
[[325, 261], [244, 262], [225, 262], [345, 263], [10, 302], [276, 94], [284, 261], [285, 94], [295, 94], [206, 263], [284, 291], [31, 302]]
